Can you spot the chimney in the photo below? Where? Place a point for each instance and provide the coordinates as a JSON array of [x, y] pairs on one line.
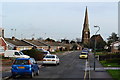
[[13, 38], [33, 39], [1, 32]]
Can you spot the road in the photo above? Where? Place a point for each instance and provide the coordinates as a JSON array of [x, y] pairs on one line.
[[70, 67]]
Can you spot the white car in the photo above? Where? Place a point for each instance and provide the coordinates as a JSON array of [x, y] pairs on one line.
[[51, 59]]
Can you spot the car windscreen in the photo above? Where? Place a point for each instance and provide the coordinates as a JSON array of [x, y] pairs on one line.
[[83, 53], [21, 62], [49, 56]]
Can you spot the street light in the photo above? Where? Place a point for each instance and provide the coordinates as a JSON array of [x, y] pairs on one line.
[[95, 43]]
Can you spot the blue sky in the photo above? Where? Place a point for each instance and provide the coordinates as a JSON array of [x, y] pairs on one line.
[[58, 19]]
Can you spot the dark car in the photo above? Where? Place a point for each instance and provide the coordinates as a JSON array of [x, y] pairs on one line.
[[25, 66]]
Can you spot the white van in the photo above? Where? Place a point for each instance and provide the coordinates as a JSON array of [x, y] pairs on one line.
[[15, 53]]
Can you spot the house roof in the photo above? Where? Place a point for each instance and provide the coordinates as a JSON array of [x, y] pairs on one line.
[[16, 42], [35, 42], [51, 43], [98, 37]]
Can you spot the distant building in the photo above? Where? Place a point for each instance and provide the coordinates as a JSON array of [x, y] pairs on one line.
[[86, 30], [115, 46]]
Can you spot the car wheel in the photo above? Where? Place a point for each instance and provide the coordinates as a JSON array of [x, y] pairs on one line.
[[32, 75], [38, 72]]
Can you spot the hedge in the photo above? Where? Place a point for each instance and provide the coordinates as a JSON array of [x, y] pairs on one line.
[[34, 53]]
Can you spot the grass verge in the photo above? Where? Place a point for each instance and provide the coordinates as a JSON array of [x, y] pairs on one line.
[[115, 74]]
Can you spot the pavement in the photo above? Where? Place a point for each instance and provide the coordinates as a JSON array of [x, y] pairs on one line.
[[98, 73]]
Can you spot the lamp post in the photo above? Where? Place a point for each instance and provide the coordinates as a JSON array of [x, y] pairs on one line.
[[95, 43]]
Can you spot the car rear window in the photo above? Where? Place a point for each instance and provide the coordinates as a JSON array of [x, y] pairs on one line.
[[49, 56], [83, 53], [21, 62]]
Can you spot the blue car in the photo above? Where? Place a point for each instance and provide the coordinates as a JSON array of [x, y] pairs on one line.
[[25, 66]]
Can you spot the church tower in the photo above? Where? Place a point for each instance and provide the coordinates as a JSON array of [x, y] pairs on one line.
[[86, 31]]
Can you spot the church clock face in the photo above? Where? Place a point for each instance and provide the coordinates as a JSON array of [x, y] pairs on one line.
[[86, 32]]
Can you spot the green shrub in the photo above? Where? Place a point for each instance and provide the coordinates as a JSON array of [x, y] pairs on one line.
[[34, 53]]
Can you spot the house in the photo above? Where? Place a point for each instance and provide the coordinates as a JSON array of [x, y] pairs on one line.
[[17, 44], [115, 46], [36, 43], [100, 43], [52, 46]]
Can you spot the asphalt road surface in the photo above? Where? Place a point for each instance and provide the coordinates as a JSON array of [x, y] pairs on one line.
[[70, 67]]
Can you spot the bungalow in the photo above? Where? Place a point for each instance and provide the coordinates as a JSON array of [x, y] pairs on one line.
[[14, 43], [36, 43], [52, 46]]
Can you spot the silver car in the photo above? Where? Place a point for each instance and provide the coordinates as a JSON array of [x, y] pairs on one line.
[[51, 59]]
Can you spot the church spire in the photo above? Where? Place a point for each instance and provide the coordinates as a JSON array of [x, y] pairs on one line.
[[86, 17], [86, 31]]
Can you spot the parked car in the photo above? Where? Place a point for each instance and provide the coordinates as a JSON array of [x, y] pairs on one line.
[[85, 50], [25, 66], [51, 59], [15, 53], [83, 55]]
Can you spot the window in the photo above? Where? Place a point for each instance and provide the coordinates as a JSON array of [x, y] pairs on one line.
[[16, 53], [56, 57], [83, 53], [1, 49], [50, 57], [21, 62]]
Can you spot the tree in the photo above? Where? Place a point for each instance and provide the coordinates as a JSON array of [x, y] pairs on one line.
[[114, 37], [72, 41], [65, 41], [48, 39]]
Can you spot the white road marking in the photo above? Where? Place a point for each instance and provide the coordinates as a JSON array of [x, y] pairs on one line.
[[85, 70]]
